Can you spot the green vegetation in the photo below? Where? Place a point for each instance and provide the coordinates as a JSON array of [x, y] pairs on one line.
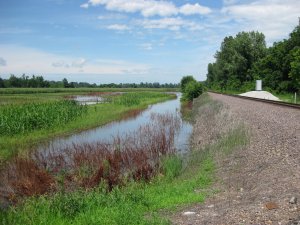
[[136, 202], [135, 98], [94, 115], [20, 119], [39, 82], [245, 58], [64, 91], [190, 88]]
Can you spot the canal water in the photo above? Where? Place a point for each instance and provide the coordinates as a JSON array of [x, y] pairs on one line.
[[107, 132]]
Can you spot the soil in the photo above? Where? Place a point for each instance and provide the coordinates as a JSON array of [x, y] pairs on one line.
[[259, 184]]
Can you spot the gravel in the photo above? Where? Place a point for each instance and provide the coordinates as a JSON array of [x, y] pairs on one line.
[[255, 184], [260, 94]]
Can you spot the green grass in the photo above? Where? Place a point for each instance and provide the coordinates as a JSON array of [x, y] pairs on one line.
[[135, 203], [96, 115], [288, 97]]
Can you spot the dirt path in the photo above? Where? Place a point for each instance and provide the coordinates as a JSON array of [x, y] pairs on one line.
[[258, 183]]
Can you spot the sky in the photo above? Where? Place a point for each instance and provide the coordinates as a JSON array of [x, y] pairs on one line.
[[126, 41]]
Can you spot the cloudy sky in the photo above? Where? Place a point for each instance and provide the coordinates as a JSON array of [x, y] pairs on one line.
[[118, 41]]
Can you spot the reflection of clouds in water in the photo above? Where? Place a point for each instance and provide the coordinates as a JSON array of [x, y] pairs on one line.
[[88, 100]]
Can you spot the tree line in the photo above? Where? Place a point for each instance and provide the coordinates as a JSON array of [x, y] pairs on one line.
[[39, 82], [245, 58]]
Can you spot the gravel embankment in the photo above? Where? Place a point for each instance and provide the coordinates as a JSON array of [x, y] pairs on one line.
[[259, 184]]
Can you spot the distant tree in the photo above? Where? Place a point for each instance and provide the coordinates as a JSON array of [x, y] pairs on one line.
[[1, 83], [14, 81], [65, 83]]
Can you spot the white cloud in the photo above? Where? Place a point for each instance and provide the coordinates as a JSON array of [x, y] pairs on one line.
[[230, 2], [160, 8], [149, 8], [2, 62], [60, 63], [118, 27], [79, 63], [272, 17], [189, 9], [112, 16], [14, 30], [146, 46], [172, 23], [85, 5], [33, 61]]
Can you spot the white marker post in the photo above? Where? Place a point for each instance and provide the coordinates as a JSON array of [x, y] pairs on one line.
[[258, 85]]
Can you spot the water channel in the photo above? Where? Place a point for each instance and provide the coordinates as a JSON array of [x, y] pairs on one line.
[[107, 132]]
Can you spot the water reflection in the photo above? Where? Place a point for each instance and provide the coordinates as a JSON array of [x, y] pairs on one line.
[[121, 128]]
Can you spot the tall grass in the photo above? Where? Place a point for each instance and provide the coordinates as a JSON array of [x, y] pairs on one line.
[[136, 98], [20, 119], [136, 156]]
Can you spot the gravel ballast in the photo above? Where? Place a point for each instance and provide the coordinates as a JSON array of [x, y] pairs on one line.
[[259, 184], [260, 94]]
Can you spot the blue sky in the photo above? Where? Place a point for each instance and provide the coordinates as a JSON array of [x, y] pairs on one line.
[[105, 41]]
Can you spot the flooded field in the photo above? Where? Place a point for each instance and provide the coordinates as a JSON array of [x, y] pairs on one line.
[[120, 128], [121, 151]]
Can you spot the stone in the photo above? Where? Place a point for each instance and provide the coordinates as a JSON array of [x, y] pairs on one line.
[[293, 200], [189, 213], [271, 205]]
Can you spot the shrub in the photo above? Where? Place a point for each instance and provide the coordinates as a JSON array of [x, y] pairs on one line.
[[185, 80], [192, 90]]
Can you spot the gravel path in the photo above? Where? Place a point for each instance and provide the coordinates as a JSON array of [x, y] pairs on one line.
[[258, 183]]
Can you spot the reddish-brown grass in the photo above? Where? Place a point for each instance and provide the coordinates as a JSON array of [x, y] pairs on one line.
[[135, 156]]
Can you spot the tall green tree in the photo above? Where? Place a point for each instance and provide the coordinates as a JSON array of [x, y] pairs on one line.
[[235, 59], [279, 69]]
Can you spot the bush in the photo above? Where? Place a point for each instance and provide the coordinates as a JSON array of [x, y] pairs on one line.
[[185, 80], [192, 90]]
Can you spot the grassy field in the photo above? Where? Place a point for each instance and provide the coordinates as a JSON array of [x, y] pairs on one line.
[[95, 115], [26, 95], [136, 202], [4, 91]]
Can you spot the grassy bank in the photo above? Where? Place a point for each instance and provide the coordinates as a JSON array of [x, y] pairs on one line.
[[96, 115], [137, 202]]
